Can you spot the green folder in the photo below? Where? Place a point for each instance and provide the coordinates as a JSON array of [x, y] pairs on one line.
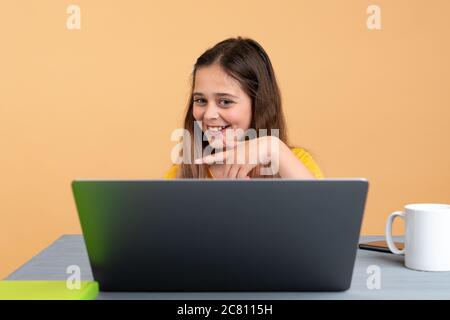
[[47, 290]]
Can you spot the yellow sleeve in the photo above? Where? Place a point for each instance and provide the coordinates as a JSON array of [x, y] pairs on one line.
[[172, 173], [308, 161]]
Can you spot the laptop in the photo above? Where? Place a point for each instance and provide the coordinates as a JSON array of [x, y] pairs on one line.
[[221, 235]]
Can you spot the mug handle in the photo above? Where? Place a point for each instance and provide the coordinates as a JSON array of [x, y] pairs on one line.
[[389, 240]]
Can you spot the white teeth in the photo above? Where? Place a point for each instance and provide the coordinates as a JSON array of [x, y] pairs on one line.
[[215, 128]]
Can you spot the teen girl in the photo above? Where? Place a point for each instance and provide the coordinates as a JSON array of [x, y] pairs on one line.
[[234, 91]]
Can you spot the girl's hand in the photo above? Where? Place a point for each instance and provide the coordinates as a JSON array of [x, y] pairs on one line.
[[245, 156]]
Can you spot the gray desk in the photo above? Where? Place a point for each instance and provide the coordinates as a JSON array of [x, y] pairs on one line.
[[397, 282]]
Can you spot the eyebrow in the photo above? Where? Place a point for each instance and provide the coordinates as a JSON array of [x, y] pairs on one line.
[[218, 94]]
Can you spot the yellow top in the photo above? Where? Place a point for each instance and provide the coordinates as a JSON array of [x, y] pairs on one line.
[[300, 153]]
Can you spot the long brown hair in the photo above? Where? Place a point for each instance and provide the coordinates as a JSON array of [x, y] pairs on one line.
[[246, 61]]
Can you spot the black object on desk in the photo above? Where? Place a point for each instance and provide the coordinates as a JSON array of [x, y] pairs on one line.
[[380, 246]]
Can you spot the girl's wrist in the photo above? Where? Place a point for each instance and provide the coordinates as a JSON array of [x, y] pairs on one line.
[[275, 148], [278, 147]]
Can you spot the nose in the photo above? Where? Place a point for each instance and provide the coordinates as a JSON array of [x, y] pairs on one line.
[[211, 111]]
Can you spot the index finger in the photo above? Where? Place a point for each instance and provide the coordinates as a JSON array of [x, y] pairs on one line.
[[212, 158]]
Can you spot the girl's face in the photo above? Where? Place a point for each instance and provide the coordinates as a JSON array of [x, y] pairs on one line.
[[221, 105]]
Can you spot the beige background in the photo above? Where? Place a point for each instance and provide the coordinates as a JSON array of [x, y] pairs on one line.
[[102, 101]]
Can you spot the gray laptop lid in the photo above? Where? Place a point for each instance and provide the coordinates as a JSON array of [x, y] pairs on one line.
[[221, 235]]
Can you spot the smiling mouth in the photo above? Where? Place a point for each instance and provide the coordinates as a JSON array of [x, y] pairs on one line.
[[217, 129]]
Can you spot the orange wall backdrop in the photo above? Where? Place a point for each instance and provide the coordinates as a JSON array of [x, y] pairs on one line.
[[102, 101]]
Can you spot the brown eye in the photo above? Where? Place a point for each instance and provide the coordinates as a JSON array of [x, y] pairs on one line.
[[199, 101], [225, 102]]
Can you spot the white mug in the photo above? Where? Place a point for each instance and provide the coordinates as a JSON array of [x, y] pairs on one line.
[[427, 236]]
